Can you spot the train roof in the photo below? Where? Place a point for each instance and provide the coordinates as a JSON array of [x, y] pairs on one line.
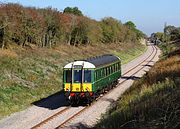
[[94, 62], [103, 60], [79, 64]]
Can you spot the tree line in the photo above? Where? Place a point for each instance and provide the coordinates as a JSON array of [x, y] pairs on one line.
[[47, 27], [170, 34]]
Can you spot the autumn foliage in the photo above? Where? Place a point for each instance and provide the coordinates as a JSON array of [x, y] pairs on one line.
[[47, 27]]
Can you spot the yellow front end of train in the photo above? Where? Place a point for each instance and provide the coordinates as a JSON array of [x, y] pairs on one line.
[[85, 87]]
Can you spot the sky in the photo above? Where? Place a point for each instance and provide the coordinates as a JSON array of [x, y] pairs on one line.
[[148, 15]]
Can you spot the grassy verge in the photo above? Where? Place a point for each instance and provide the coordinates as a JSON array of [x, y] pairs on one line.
[[29, 75], [151, 102]]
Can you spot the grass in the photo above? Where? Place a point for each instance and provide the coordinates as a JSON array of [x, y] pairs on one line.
[[151, 102], [155, 107], [130, 54], [28, 75]]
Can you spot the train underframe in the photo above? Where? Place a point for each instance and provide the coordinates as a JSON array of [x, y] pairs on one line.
[[75, 98]]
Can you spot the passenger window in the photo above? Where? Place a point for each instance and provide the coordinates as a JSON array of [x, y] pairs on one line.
[[95, 76], [107, 71]]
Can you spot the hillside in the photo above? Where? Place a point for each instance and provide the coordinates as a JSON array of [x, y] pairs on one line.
[[27, 75], [154, 100]]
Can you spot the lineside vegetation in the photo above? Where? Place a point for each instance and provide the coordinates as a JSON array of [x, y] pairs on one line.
[[154, 100]]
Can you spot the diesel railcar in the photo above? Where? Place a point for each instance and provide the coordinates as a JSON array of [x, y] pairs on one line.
[[86, 79]]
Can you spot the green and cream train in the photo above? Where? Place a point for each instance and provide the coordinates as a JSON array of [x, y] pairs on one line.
[[86, 79]]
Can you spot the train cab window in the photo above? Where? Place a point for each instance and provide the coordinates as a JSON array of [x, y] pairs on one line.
[[87, 76], [77, 76], [68, 76]]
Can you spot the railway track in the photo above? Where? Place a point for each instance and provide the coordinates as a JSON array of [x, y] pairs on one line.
[[79, 110]]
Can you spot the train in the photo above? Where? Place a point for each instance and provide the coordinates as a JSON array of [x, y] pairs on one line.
[[85, 80]]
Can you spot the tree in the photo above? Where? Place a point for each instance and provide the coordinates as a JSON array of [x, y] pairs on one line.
[[47, 27], [72, 10], [169, 29], [172, 33], [130, 25], [1, 36], [159, 36], [175, 34], [79, 32], [111, 29]]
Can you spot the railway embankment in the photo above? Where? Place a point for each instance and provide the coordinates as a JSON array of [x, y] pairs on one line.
[[28, 75], [151, 102]]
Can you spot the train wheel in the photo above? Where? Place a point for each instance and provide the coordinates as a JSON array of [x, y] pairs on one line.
[[77, 100], [90, 100], [94, 97]]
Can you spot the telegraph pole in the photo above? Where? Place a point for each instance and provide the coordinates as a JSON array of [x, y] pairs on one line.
[[165, 36]]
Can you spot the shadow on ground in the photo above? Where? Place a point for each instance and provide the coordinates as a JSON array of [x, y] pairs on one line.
[[148, 65], [52, 102], [148, 61], [109, 100], [79, 126], [56, 101], [130, 77]]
